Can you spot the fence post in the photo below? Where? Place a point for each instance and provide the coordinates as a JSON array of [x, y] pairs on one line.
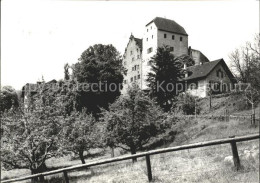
[[235, 155], [41, 178], [149, 170], [66, 177]]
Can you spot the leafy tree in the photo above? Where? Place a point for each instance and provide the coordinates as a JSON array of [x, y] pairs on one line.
[[8, 98], [132, 120], [165, 73], [81, 133], [99, 74], [29, 139]]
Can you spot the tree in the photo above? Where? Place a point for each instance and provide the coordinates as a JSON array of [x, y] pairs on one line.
[[8, 98], [66, 72], [165, 73], [81, 133], [246, 63], [132, 120], [99, 74], [29, 139]]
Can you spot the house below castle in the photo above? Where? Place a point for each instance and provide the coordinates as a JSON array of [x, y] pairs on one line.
[[208, 78]]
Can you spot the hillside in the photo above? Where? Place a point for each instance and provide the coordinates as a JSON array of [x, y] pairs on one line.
[[211, 164]]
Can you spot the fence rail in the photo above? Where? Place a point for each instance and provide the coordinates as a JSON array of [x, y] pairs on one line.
[[231, 140]]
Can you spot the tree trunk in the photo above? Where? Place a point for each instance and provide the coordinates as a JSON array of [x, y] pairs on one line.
[[42, 168], [112, 152], [82, 157], [133, 151], [253, 114]]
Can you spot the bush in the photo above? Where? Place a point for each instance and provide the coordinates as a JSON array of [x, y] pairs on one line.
[[185, 104]]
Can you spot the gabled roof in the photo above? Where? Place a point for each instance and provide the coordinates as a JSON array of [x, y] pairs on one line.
[[168, 25], [201, 71], [139, 42]]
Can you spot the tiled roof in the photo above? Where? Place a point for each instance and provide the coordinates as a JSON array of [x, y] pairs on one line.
[[168, 25], [139, 42], [200, 71]]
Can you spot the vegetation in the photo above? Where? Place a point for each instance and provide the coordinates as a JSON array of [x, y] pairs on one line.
[[99, 74], [30, 138], [81, 133], [165, 71], [8, 98], [246, 65], [186, 104], [132, 120]]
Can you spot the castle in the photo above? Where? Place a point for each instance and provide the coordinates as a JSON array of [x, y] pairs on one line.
[[164, 32]]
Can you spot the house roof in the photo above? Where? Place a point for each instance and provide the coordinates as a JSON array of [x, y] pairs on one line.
[[201, 71], [139, 42], [168, 25]]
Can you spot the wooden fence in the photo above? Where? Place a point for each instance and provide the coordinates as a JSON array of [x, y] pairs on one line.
[[231, 140]]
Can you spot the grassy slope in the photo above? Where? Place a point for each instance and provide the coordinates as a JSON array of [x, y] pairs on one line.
[[198, 165]]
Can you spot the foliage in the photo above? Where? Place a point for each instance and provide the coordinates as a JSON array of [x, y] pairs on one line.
[[31, 137], [246, 63], [132, 120], [8, 98], [81, 133], [165, 72], [99, 67], [185, 104]]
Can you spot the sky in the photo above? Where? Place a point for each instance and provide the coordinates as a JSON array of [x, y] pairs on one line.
[[38, 37]]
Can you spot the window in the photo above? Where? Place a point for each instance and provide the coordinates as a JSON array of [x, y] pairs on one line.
[[124, 63], [124, 81], [137, 67], [138, 76], [147, 30], [220, 73], [171, 48], [133, 59], [152, 36], [149, 50], [131, 79], [135, 77], [151, 27], [180, 38], [146, 39], [131, 52], [133, 68], [172, 37], [137, 49], [165, 35], [138, 56]]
